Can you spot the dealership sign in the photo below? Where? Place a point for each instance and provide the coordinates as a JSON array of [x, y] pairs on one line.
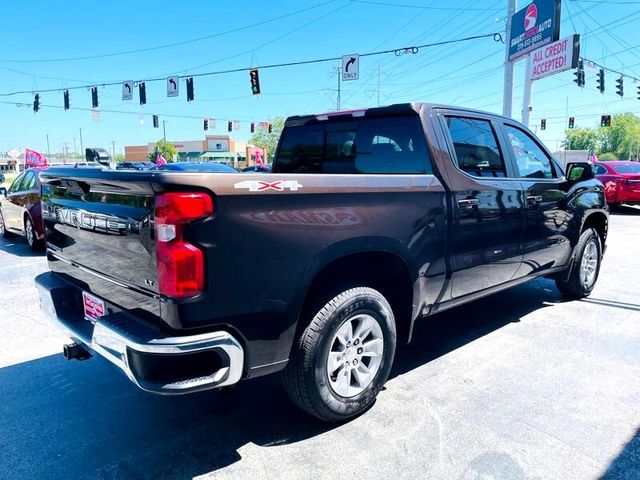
[[535, 25], [554, 58]]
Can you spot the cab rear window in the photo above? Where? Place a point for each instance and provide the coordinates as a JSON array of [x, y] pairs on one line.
[[379, 145]]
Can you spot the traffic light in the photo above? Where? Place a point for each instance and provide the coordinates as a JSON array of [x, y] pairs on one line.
[[543, 125], [252, 127], [579, 74], [230, 126], [255, 81], [65, 96], [572, 122], [270, 128], [94, 97], [142, 93], [620, 86], [638, 93], [600, 80], [190, 89], [156, 123], [36, 102], [205, 124], [605, 121]]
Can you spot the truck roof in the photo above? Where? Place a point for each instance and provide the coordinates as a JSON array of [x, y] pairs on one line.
[[395, 109]]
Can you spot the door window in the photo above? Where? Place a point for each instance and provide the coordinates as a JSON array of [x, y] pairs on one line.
[[476, 147], [531, 160], [29, 182], [16, 185]]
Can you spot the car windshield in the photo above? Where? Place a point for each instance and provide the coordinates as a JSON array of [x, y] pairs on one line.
[[628, 168]]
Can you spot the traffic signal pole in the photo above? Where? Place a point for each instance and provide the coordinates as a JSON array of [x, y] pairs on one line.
[[507, 94]]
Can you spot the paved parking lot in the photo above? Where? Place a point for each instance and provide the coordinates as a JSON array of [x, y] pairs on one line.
[[520, 385]]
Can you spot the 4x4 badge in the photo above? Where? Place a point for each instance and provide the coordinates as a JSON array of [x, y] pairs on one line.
[[261, 186]]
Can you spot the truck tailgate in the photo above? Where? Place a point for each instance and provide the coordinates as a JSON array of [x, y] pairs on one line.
[[102, 224]]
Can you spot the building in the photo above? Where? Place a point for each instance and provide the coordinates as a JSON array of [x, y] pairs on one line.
[[216, 148]]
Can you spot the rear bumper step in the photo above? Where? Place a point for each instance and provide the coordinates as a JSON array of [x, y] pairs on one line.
[[154, 362]]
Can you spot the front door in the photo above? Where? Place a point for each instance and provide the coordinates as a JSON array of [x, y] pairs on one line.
[[488, 207], [546, 244], [10, 205]]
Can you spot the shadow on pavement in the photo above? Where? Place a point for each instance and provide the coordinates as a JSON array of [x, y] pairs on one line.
[[625, 210], [63, 419], [18, 246], [626, 466]]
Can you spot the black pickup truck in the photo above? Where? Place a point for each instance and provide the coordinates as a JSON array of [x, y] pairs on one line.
[[370, 221]]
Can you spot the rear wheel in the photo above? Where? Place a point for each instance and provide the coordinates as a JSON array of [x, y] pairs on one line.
[[30, 233], [586, 266], [3, 229], [343, 358]]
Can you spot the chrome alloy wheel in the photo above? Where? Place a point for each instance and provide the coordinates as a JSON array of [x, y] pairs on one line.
[[29, 232], [355, 355], [589, 264]]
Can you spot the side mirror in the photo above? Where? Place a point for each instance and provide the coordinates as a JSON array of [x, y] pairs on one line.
[[3, 191], [580, 171]]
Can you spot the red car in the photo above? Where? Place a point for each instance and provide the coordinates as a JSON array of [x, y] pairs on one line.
[[20, 211], [621, 181]]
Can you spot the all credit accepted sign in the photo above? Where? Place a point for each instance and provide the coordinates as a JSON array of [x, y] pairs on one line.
[[533, 26], [555, 57]]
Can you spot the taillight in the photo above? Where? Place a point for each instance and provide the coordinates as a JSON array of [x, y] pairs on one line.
[[180, 263]]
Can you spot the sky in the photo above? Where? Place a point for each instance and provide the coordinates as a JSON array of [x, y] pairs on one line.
[[55, 45]]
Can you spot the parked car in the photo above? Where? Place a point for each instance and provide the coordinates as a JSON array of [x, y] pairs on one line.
[[20, 211], [621, 180], [2, 178], [257, 169], [198, 167], [88, 165], [371, 221], [136, 166]]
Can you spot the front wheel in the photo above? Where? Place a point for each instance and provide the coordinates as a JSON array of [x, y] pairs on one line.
[[586, 266], [343, 358]]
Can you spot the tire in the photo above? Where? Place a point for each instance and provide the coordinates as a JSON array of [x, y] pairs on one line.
[[3, 229], [344, 389], [586, 266], [30, 234]]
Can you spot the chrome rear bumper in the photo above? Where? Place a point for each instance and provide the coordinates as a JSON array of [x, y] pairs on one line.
[[154, 362]]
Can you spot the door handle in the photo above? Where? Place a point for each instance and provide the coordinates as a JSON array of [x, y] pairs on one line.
[[468, 203], [534, 199]]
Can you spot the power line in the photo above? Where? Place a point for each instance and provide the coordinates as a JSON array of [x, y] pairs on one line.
[[424, 7], [397, 51], [170, 45]]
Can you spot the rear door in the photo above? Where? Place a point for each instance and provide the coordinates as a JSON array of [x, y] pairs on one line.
[[546, 244], [488, 205]]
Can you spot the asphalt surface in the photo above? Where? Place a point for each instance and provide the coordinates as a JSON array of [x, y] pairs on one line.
[[520, 385]]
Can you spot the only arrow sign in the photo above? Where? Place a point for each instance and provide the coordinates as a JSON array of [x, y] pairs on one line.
[[350, 67]]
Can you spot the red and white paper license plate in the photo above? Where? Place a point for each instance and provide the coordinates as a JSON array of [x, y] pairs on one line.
[[93, 307]]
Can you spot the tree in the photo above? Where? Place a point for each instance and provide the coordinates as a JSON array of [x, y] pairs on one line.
[[166, 149], [622, 136], [607, 156], [268, 141], [119, 157], [581, 139]]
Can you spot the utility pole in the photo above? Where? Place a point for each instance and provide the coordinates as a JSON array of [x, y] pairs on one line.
[[526, 94], [113, 148], [164, 131], [75, 151], [82, 155], [339, 70], [48, 149], [378, 83], [507, 94]]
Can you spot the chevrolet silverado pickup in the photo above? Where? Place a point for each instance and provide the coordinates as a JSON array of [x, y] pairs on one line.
[[370, 221]]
